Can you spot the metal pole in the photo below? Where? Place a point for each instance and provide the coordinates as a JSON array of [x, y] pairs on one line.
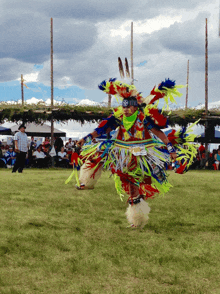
[[51, 77], [22, 90], [206, 85], [187, 85], [132, 65]]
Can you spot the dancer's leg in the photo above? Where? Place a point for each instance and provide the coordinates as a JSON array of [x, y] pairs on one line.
[[138, 209]]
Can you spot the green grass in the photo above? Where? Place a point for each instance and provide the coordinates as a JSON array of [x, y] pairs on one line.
[[56, 239]]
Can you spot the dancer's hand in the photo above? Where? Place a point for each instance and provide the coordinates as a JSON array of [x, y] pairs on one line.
[[81, 142], [173, 156]]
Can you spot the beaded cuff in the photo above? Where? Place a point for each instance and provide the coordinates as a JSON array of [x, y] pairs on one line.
[[87, 138], [170, 148]]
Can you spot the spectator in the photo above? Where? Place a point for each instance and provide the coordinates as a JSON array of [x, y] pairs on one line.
[[40, 158], [32, 148], [217, 159], [201, 155], [46, 149], [33, 144], [1, 154], [21, 148], [46, 141], [69, 147], [58, 144], [10, 157], [46, 146], [201, 148], [2, 159], [63, 159], [39, 142]]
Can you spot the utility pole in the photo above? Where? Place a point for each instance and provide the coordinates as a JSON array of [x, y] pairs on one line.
[[51, 78], [219, 21], [187, 85], [132, 64], [109, 100], [22, 90], [206, 86]]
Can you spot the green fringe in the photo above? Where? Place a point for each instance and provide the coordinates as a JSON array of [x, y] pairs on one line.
[[118, 186]]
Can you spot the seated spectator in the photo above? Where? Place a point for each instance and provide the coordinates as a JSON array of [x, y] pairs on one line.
[[46, 146], [2, 159], [46, 141], [69, 147], [1, 154], [217, 159], [63, 159], [10, 157], [41, 159], [46, 149]]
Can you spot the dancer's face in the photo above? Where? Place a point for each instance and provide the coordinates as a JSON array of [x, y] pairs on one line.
[[128, 111]]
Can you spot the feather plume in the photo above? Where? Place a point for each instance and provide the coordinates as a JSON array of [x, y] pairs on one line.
[[127, 68], [120, 66]]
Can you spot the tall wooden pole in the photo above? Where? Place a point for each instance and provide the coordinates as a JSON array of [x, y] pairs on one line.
[[22, 90], [51, 77], [109, 100], [219, 21], [206, 68], [132, 64], [187, 85], [206, 84]]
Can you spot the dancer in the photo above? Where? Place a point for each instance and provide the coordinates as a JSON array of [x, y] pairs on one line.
[[136, 159]]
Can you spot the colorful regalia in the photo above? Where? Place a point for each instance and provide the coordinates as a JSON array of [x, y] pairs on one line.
[[135, 156]]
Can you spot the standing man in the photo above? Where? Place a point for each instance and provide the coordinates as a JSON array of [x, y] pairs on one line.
[[21, 148]]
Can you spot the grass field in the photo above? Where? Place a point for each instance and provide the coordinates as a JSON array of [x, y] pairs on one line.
[[55, 239]]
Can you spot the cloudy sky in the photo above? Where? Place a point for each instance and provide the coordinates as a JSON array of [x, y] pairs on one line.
[[90, 35]]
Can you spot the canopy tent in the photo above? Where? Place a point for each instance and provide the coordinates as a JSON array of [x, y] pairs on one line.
[[35, 130], [5, 131]]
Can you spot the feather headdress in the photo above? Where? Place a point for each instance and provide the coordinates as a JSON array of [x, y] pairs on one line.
[[121, 90], [166, 89]]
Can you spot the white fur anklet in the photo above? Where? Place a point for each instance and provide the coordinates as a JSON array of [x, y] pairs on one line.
[[137, 214]]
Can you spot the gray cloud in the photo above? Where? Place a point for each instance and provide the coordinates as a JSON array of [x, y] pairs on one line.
[[83, 10], [98, 10], [187, 37], [28, 39], [12, 69], [86, 53]]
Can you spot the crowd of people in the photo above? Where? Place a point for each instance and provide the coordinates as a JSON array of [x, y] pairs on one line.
[[211, 162], [38, 154]]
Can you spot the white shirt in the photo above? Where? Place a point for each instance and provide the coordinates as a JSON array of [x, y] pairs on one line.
[[69, 145], [22, 141], [39, 154], [60, 154]]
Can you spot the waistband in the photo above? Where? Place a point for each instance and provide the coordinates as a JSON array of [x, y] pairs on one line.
[[129, 144]]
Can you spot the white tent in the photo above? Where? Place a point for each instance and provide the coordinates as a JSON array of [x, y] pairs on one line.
[[36, 130]]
